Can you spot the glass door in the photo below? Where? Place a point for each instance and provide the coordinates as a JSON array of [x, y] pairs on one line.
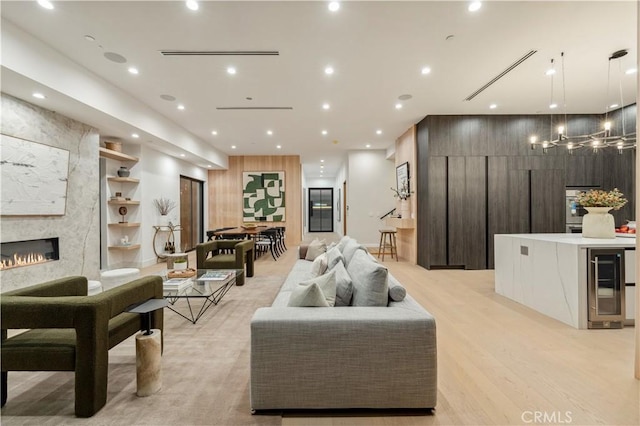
[[606, 288], [320, 209], [191, 213]]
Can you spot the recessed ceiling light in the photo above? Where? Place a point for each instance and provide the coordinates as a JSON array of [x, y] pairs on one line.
[[39, 95], [368, 146], [334, 6], [493, 106], [378, 132], [631, 71], [398, 105], [233, 147], [209, 165], [279, 146], [168, 98], [89, 37], [135, 135], [46, 4], [550, 71], [269, 132], [192, 4], [613, 106], [231, 70], [324, 133], [425, 70], [552, 106], [180, 107], [134, 70], [214, 132], [322, 161], [405, 97], [475, 6], [322, 166], [326, 106], [115, 57], [328, 70], [182, 155]]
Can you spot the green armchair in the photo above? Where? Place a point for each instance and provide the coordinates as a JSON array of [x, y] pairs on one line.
[[226, 254], [70, 331]]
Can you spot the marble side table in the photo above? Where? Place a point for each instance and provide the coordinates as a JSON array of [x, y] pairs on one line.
[[148, 349]]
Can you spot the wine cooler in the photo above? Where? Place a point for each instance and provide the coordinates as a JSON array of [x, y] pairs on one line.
[[606, 283]]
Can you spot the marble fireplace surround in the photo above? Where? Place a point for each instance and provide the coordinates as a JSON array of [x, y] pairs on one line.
[[78, 229]]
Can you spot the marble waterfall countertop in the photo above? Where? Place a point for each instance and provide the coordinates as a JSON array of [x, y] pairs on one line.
[[548, 272]]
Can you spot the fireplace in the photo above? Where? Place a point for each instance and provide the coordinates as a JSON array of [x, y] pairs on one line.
[[15, 254]]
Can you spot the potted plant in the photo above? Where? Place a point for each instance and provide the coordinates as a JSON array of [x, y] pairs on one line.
[[180, 264], [598, 223], [164, 206]]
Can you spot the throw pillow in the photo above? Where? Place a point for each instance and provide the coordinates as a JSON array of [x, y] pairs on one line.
[[333, 257], [349, 249], [332, 245], [370, 286], [319, 265], [344, 285], [397, 293], [325, 283], [316, 248], [343, 241], [307, 296]]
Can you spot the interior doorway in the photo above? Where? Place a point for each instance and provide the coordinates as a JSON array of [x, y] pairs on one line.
[[344, 208], [320, 209], [191, 213]]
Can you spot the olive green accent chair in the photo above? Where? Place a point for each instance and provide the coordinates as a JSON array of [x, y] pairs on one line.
[[70, 331], [226, 254]]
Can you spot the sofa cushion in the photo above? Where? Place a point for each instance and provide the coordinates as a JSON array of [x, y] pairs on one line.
[[343, 241], [397, 292], [319, 265], [315, 249], [319, 291], [334, 256], [344, 285], [370, 286]]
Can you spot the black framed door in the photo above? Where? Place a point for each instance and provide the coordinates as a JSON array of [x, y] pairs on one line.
[[191, 212], [320, 209]]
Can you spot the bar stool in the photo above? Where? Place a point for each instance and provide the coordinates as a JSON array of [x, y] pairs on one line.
[[382, 248]]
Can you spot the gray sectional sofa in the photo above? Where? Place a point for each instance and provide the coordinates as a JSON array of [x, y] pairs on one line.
[[344, 356]]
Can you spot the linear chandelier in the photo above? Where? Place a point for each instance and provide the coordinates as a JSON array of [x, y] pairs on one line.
[[604, 138]]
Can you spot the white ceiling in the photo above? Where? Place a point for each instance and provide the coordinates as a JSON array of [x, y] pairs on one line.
[[376, 48]]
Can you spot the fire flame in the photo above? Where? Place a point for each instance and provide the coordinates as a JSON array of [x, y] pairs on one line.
[[23, 260]]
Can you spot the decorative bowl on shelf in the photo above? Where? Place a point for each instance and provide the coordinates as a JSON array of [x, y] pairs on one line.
[[249, 226]]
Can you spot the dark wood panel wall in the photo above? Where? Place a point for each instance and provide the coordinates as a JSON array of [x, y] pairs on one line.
[[481, 178]]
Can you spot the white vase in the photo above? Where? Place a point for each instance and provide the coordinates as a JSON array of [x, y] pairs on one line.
[[598, 223], [164, 220], [180, 266]]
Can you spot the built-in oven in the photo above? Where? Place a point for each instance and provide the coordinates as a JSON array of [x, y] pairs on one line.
[[573, 210]]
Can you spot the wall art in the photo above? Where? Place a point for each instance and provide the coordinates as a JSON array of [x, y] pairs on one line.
[[263, 197], [34, 178]]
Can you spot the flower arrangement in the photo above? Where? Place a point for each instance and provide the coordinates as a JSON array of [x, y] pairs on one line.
[[601, 198], [164, 205], [403, 193]]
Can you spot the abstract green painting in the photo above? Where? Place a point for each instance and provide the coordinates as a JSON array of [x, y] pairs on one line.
[[263, 196]]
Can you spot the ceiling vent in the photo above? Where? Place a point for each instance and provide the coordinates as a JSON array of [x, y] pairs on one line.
[[220, 52], [252, 108], [502, 74]]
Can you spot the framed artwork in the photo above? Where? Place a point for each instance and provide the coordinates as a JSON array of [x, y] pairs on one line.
[[402, 178], [34, 178], [339, 205], [263, 197]]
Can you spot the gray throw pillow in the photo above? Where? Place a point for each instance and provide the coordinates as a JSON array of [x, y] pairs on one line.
[[319, 265], [397, 293], [370, 286], [343, 241], [349, 249], [325, 283], [344, 285], [333, 257], [315, 249]]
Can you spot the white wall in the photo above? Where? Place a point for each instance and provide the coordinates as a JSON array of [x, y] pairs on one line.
[[341, 177], [370, 177]]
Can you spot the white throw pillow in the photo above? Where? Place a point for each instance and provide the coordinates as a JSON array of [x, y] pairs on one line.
[[333, 257], [316, 248], [306, 293], [319, 265]]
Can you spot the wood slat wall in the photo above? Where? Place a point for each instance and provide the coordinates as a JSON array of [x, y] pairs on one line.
[[406, 152], [225, 192]]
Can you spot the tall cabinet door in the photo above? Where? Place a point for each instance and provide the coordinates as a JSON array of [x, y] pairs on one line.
[[547, 201], [475, 213]]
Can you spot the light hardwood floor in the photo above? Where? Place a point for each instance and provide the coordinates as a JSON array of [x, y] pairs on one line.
[[502, 363]]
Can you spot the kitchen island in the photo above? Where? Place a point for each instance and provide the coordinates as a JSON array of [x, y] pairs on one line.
[[548, 272]]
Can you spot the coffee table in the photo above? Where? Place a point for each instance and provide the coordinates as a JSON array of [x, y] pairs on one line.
[[209, 291]]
